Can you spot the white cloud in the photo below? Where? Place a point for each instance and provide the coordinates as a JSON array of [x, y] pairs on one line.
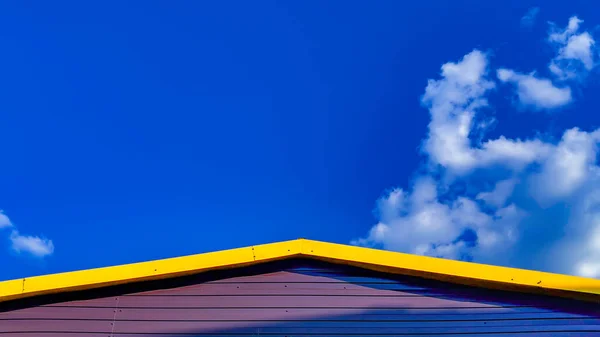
[[33, 245], [536, 92], [528, 19], [452, 102], [4, 221], [575, 51], [421, 224], [574, 59], [571, 164], [515, 154], [579, 47], [561, 36], [501, 192], [535, 198], [425, 225]]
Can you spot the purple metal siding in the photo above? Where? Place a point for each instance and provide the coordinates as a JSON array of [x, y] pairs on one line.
[[313, 300]]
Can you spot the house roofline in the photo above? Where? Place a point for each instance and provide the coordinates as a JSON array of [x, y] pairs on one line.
[[466, 273]]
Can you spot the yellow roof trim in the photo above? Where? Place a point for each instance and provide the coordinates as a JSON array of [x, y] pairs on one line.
[[390, 262]]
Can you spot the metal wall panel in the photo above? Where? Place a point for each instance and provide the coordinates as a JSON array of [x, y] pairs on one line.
[[297, 298]]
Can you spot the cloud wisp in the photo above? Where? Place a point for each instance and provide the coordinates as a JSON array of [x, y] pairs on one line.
[[532, 91], [528, 20], [575, 50], [530, 203], [26, 244], [573, 60]]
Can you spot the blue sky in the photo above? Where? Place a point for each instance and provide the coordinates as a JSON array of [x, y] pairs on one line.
[[150, 129]]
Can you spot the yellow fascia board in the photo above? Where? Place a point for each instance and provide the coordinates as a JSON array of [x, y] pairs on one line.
[[384, 261], [146, 271], [467, 273]]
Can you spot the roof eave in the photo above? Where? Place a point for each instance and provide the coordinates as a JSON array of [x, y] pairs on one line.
[[147, 271], [384, 261]]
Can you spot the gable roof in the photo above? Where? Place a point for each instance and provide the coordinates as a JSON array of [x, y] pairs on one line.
[[465, 273]]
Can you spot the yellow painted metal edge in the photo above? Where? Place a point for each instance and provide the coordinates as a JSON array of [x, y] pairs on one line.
[[379, 260], [146, 271], [467, 273]]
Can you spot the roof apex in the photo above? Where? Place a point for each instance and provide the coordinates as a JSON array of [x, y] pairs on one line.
[[384, 261]]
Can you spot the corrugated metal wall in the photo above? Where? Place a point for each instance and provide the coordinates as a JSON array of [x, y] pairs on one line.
[[297, 299]]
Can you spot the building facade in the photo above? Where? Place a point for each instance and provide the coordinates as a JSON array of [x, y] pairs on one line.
[[300, 288]]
